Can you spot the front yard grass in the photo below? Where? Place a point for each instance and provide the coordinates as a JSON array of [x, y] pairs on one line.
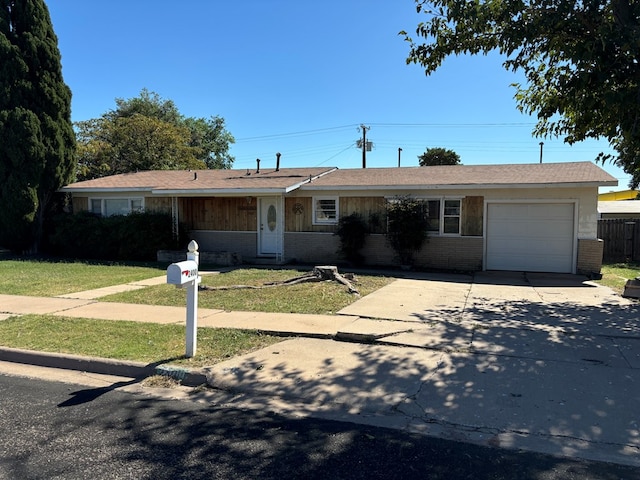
[[141, 342], [148, 343], [615, 275], [51, 278], [314, 298]]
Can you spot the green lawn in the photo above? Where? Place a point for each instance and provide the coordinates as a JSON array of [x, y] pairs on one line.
[[318, 298], [49, 278], [142, 342], [615, 275], [150, 342]]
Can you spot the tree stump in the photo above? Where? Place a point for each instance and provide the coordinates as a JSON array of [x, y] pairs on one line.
[[318, 274]]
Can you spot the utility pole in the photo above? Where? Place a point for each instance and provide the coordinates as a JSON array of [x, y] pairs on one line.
[[364, 145], [541, 145], [399, 150]]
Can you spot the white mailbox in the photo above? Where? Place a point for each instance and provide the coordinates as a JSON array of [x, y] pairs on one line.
[[182, 272]]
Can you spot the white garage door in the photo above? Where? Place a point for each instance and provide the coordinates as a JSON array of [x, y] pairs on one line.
[[530, 237]]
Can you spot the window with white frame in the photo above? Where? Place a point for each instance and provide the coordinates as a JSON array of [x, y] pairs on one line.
[[451, 216], [108, 207], [443, 215], [325, 210]]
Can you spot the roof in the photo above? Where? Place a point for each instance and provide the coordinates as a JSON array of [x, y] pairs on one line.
[[620, 206], [205, 182], [619, 195], [464, 176], [242, 182]]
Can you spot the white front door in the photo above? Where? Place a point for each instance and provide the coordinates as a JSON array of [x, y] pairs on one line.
[[269, 226]]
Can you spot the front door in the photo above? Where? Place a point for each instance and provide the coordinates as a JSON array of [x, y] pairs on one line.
[[269, 229]]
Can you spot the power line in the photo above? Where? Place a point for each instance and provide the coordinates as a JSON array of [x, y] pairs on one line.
[[447, 125], [334, 156], [291, 134], [341, 127]]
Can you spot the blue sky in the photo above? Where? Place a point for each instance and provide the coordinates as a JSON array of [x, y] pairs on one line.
[[299, 78]]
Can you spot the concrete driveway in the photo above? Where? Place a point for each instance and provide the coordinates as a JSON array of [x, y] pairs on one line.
[[543, 362]]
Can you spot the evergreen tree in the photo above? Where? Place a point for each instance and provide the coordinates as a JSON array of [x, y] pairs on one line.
[[37, 149]]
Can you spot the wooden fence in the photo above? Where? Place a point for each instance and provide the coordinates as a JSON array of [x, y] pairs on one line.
[[621, 239]]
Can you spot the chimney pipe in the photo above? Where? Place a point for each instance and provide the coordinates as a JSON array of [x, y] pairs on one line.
[[258, 168], [278, 162]]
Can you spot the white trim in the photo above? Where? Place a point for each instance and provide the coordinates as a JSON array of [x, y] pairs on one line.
[[218, 192], [104, 199], [315, 199], [175, 220], [457, 186], [279, 233], [441, 199], [442, 216]]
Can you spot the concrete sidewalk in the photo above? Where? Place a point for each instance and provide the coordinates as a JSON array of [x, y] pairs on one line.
[[539, 362]]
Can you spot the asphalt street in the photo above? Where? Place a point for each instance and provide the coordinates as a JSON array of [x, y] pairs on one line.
[[55, 430]]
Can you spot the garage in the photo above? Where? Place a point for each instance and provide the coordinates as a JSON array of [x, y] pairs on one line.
[[530, 237]]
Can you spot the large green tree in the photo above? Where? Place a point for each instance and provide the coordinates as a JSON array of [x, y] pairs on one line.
[[438, 156], [149, 133], [37, 142], [580, 59]]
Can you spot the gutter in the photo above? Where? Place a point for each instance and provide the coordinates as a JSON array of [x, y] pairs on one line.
[[219, 192], [469, 186]]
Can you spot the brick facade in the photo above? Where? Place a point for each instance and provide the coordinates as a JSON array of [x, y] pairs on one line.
[[446, 253], [589, 256], [242, 243]]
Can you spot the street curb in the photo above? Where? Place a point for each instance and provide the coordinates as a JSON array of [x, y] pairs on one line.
[[103, 366]]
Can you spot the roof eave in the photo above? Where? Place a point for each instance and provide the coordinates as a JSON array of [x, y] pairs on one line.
[[476, 186], [204, 192], [104, 189]]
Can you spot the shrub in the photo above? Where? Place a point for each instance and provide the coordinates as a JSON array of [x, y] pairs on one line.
[[406, 227], [135, 237], [352, 230]]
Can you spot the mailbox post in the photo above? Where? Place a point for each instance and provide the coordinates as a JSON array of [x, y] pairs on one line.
[[183, 274]]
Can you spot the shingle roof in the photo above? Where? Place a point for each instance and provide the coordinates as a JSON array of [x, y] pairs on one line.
[[287, 179], [467, 175], [201, 180]]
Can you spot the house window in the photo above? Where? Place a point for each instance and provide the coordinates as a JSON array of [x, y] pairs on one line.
[[443, 216], [451, 217], [432, 211], [108, 207], [325, 210]]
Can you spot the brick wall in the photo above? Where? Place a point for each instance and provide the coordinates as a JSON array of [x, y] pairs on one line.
[[243, 243], [447, 253], [309, 247], [452, 253], [589, 256]]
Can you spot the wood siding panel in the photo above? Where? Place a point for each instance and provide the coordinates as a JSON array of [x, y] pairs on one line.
[[472, 216], [299, 212], [372, 210], [80, 204], [223, 214], [155, 204]]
